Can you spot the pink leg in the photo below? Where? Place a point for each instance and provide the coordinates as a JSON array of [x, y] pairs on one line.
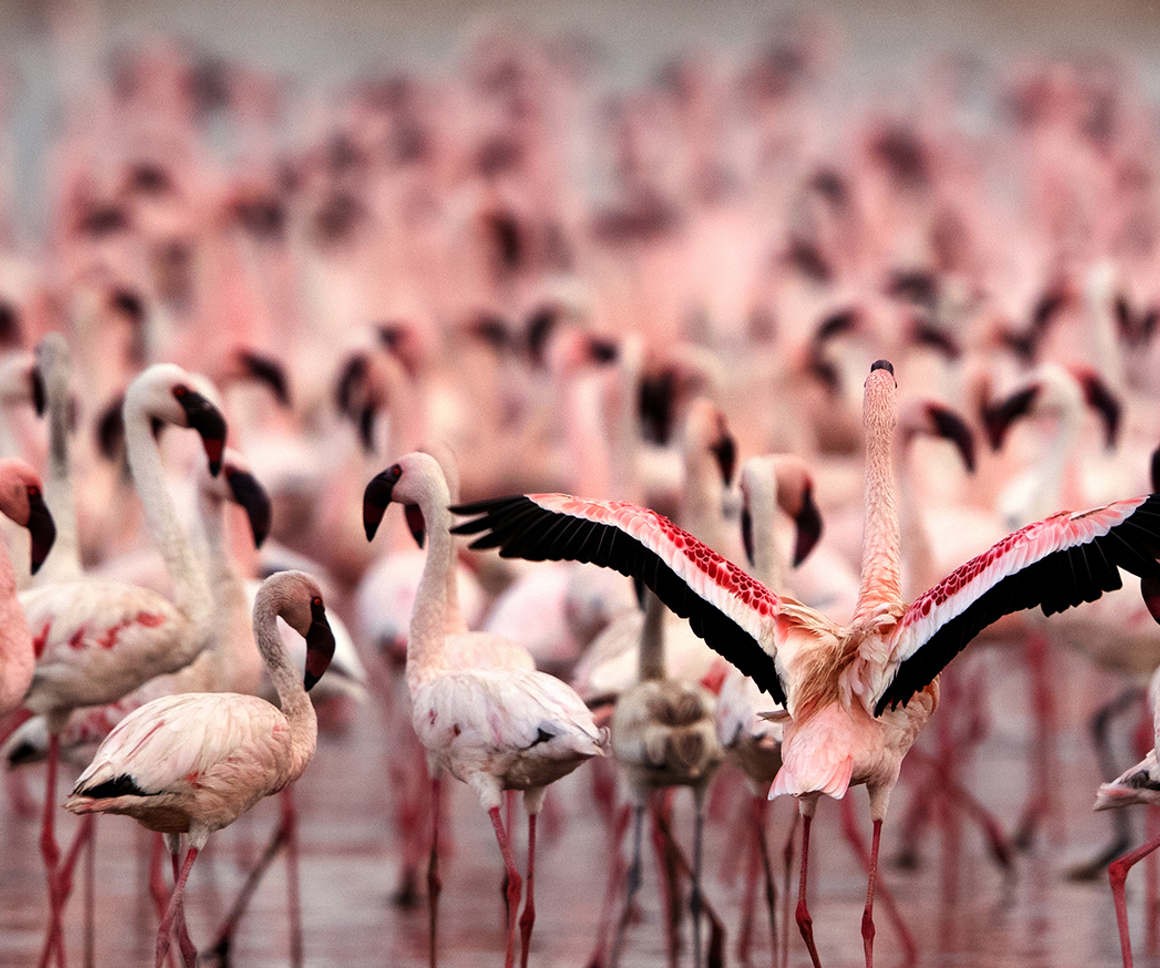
[[171, 912], [631, 883], [787, 892], [514, 886], [660, 809], [184, 943], [767, 868], [870, 862], [434, 884], [90, 894], [868, 914], [804, 921], [1117, 874], [50, 852], [749, 899], [289, 833], [528, 918], [616, 873]]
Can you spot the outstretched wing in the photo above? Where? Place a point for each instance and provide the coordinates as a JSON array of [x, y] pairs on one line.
[[1056, 563], [737, 616]]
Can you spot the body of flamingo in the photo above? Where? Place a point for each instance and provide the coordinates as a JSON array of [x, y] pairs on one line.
[[856, 695], [195, 762], [496, 729], [96, 640]]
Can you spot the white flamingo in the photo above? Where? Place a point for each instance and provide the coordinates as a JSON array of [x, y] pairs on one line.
[[496, 729], [97, 640], [195, 762]]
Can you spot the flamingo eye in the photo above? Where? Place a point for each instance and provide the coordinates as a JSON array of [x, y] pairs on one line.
[[33, 490], [180, 391], [316, 601], [396, 471]]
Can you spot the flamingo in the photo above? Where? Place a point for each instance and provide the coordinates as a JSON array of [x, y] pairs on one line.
[[496, 729], [21, 501], [97, 640], [856, 696], [195, 762]]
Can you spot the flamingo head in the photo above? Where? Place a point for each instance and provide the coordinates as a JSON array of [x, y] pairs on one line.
[[167, 392], [301, 606], [933, 419], [238, 485], [404, 483], [22, 500]]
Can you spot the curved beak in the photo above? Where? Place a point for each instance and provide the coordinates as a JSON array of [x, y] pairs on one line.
[[252, 497], [998, 418], [747, 533], [376, 497], [725, 450], [39, 391], [208, 421], [950, 426], [319, 645], [807, 527], [1100, 398], [41, 528], [267, 370]]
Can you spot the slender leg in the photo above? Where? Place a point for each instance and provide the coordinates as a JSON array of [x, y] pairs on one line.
[[695, 901], [174, 907], [804, 921], [770, 887], [1041, 803], [716, 926], [1117, 874], [528, 918], [659, 809], [868, 914], [289, 832], [749, 899], [184, 944], [50, 852], [631, 884], [616, 873], [434, 884], [514, 885], [282, 833], [787, 892], [869, 861], [90, 894]]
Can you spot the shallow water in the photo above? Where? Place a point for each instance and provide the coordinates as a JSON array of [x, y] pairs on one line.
[[350, 867]]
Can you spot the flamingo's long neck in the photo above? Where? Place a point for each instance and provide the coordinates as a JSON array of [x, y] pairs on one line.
[[235, 664], [881, 579], [292, 697], [429, 621], [768, 560], [652, 641], [190, 589], [65, 561]]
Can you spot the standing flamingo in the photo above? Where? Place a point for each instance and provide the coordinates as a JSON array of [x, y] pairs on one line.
[[856, 696], [193, 763], [499, 728], [97, 640]]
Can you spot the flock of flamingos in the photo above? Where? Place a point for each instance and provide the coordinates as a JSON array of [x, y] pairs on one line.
[[842, 389]]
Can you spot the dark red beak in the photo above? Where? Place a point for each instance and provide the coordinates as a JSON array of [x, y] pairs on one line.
[[207, 420], [319, 645], [252, 497], [40, 527], [377, 496]]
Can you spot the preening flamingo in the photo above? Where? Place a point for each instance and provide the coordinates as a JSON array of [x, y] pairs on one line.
[[496, 729], [856, 696], [194, 763], [96, 640]]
